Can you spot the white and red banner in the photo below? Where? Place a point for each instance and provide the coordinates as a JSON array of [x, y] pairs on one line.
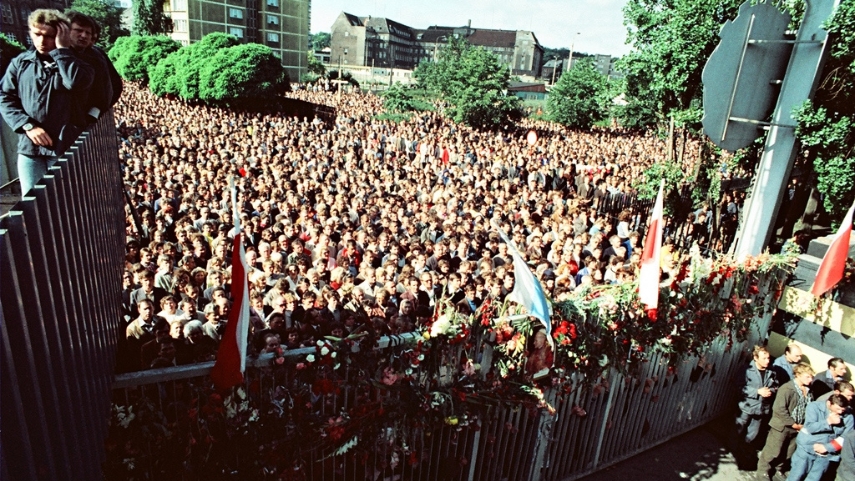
[[831, 268], [649, 275], [231, 357]]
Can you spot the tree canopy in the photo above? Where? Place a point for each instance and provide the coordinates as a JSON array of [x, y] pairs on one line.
[[320, 40], [219, 68], [149, 18], [135, 56], [672, 41], [581, 97], [242, 71], [107, 15], [827, 124], [179, 73], [474, 83]]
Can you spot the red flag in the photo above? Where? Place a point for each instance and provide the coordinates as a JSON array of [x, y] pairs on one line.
[[231, 356], [834, 261], [648, 277]]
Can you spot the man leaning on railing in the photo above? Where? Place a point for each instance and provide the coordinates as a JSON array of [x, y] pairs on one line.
[[38, 93]]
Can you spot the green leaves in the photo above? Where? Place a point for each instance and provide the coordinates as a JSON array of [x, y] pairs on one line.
[[243, 71], [179, 73], [149, 18], [219, 69], [474, 83], [136, 55], [829, 138], [673, 40], [580, 98]]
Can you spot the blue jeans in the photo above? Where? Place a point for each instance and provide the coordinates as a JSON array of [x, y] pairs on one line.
[[31, 169], [748, 426], [807, 466]]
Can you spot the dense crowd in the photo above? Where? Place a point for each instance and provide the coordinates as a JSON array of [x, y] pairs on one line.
[[358, 223]]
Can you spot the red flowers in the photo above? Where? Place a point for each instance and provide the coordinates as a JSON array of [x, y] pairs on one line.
[[565, 333]]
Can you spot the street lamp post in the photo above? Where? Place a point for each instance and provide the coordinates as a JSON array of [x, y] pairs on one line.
[[436, 46], [570, 58]]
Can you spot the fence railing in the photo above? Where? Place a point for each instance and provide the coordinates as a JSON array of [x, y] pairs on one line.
[[61, 250], [594, 426]]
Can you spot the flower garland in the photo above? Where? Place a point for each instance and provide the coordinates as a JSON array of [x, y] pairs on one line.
[[348, 399]]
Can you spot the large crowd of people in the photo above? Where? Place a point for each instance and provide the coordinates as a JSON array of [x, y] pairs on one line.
[[359, 223]]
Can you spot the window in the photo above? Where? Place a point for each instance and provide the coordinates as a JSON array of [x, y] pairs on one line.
[[272, 20], [179, 26], [272, 37], [236, 31], [7, 14], [179, 5], [235, 13], [272, 3]]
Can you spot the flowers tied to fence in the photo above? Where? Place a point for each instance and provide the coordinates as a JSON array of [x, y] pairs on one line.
[[349, 399]]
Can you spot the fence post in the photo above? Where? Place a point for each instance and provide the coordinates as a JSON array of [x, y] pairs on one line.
[[613, 385], [544, 436], [473, 460]]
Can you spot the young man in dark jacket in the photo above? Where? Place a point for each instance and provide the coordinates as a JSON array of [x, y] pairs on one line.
[[758, 387], [106, 84], [39, 92]]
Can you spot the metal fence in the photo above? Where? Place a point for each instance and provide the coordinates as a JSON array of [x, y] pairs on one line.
[[61, 251], [593, 426]]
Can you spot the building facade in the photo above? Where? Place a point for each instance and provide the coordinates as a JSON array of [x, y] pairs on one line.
[[282, 25], [14, 15], [381, 42]]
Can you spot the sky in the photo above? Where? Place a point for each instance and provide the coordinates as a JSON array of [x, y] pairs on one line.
[[592, 26]]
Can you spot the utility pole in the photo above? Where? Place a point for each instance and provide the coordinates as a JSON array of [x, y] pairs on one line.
[[570, 57]]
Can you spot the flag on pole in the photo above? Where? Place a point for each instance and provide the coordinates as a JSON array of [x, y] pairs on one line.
[[830, 270], [231, 357], [648, 277], [527, 289]]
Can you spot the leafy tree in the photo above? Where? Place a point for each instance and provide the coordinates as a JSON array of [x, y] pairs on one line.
[[315, 66], [135, 56], [401, 99], [580, 98], [9, 49], [827, 124], [248, 71], [474, 82], [107, 15], [320, 40], [149, 18], [179, 73], [673, 40]]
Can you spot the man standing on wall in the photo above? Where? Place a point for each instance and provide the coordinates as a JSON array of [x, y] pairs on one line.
[[38, 95]]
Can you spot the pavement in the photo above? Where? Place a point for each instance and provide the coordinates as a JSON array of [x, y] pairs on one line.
[[700, 454]]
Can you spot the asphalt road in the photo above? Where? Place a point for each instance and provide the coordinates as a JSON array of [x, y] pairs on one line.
[[697, 455]]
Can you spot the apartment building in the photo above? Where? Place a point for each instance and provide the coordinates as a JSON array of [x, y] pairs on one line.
[[282, 25], [382, 42]]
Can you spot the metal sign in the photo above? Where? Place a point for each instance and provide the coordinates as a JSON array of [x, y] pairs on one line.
[[742, 75]]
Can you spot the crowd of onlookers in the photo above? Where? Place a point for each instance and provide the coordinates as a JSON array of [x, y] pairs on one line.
[[802, 420], [359, 224]]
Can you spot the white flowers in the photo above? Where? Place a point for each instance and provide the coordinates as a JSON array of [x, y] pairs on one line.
[[324, 351], [310, 358], [440, 326]]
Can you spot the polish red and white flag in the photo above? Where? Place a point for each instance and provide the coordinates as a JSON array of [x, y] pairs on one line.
[[231, 357], [833, 263], [648, 277]]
